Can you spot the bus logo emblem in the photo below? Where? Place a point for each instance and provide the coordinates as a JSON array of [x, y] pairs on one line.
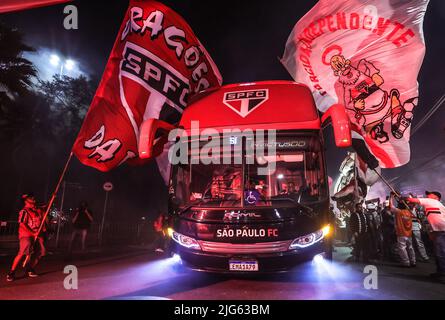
[[244, 102], [237, 215]]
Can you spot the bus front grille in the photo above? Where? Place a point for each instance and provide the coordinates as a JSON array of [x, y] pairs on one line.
[[261, 247]]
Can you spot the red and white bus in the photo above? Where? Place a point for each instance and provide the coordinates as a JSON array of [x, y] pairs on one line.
[[226, 214]]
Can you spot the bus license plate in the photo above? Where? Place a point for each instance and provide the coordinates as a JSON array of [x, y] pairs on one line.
[[243, 265]]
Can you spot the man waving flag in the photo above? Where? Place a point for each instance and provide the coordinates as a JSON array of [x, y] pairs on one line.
[[366, 55], [156, 65]]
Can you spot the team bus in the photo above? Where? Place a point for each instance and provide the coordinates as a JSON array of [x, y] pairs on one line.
[[251, 192]]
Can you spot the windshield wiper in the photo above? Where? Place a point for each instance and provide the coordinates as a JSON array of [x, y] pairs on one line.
[[198, 202], [293, 201], [185, 209]]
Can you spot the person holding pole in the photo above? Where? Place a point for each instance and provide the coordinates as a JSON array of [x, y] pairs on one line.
[[31, 241], [34, 234], [404, 231], [435, 213]]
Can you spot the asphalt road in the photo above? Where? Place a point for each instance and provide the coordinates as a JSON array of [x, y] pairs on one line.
[[138, 274]]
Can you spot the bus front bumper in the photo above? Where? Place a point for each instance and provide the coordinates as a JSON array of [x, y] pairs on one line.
[[266, 262]]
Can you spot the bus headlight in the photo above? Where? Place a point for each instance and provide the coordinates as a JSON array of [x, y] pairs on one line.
[[311, 238], [185, 241], [326, 230]]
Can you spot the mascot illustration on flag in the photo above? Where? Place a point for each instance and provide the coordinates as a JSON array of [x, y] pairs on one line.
[[361, 88], [365, 55]]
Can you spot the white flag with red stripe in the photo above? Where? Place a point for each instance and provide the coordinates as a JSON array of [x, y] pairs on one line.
[[366, 55]]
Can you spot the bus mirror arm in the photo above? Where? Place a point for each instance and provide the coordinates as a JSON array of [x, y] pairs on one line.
[[341, 124], [153, 135]]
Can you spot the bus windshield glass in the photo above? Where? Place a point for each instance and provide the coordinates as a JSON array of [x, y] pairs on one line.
[[296, 176]]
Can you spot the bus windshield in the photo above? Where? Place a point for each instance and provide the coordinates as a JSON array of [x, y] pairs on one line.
[[297, 177]]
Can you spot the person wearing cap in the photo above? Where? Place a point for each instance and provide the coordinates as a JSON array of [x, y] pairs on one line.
[[404, 231], [435, 213], [30, 218]]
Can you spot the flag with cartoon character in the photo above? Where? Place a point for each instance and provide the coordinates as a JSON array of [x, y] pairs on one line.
[[366, 55]]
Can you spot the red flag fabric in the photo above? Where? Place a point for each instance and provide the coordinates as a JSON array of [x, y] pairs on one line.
[[156, 65], [366, 55], [16, 5]]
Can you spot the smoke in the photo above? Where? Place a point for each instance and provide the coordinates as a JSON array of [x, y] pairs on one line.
[[378, 190], [428, 177], [42, 60]]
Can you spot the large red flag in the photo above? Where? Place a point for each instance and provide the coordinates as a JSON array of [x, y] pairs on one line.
[[156, 64], [366, 55], [16, 5]]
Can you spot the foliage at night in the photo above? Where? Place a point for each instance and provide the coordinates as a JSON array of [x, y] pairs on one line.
[[68, 100], [16, 72], [37, 118]]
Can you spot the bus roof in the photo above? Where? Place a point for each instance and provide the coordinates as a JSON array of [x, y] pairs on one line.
[[266, 105]]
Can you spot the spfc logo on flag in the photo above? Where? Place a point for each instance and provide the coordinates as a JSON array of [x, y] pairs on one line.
[[244, 102]]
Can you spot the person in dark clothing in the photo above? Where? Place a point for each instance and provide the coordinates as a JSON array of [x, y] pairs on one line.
[[360, 233], [143, 232], [373, 236], [388, 233], [81, 223], [380, 243]]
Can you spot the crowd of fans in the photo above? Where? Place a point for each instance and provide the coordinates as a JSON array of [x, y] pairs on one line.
[[405, 230]]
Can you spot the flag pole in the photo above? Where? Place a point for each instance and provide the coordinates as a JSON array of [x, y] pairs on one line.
[[386, 182], [356, 191], [50, 203], [392, 189]]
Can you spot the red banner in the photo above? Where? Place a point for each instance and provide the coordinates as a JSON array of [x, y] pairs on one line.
[[156, 65], [16, 5]]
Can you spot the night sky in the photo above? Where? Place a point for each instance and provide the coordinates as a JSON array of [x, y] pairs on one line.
[[245, 38]]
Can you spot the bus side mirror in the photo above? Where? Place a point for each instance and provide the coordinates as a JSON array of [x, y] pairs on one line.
[[340, 123], [153, 135]]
